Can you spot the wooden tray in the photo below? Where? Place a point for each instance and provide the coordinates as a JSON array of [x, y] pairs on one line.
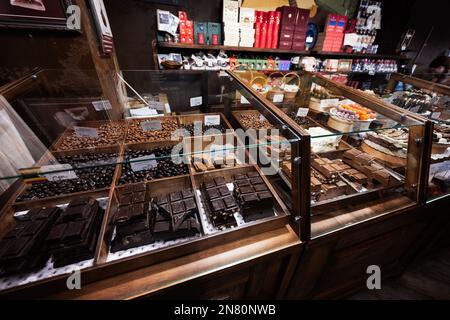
[[48, 159], [139, 120], [143, 146], [90, 124]]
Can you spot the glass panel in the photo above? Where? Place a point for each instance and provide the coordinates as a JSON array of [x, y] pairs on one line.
[[166, 166], [364, 155], [429, 100]]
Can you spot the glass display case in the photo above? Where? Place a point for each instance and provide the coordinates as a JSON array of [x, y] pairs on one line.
[[430, 100], [364, 158], [89, 184]]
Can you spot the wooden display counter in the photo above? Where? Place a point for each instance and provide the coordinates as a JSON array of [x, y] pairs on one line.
[[258, 267]]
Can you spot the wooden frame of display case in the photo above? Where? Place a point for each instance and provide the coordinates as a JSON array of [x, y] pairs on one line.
[[419, 137]]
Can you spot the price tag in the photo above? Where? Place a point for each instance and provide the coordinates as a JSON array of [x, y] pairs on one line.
[[302, 112], [325, 103], [151, 125], [371, 73], [435, 115], [102, 105], [196, 101], [156, 105], [66, 174], [212, 120], [86, 132], [262, 118], [144, 163], [277, 98], [244, 100]]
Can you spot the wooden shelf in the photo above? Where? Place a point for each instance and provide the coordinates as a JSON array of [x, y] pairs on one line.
[[174, 45], [181, 46]]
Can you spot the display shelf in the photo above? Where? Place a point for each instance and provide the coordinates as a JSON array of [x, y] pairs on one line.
[[182, 46]]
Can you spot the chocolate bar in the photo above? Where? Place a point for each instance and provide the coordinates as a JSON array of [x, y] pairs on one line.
[[74, 236], [22, 248], [220, 206], [253, 197], [169, 214]]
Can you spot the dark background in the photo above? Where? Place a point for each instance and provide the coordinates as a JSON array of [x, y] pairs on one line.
[[134, 24]]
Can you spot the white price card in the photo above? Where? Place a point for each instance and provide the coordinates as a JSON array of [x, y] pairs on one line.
[[435, 115], [143, 163], [302, 112], [156, 105], [196, 101], [277, 98], [86, 132], [262, 118], [58, 172], [325, 103], [102, 105], [415, 109], [244, 100], [151, 125], [212, 120]]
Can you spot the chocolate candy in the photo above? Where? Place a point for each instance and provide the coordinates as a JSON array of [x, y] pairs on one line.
[[94, 171], [174, 215], [165, 166], [194, 130], [221, 204], [22, 249], [254, 197], [253, 120], [136, 133], [73, 238], [110, 133], [303, 121]]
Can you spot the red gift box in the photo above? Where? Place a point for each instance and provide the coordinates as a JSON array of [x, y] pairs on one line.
[[263, 35], [302, 19], [285, 44], [288, 16], [257, 43], [276, 29]]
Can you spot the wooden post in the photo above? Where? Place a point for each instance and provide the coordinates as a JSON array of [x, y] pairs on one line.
[[106, 67]]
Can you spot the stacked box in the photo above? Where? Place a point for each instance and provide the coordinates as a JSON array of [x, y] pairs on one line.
[[332, 38], [186, 28], [230, 18], [214, 33], [287, 26], [200, 32], [246, 27], [301, 27]]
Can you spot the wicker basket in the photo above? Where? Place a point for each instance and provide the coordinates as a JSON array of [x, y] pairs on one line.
[[289, 96], [262, 81], [275, 90]]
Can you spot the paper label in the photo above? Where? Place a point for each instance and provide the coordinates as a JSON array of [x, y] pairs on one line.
[[86, 132], [102, 105], [212, 120], [67, 174], [145, 111], [325, 103], [244, 100], [277, 98], [156, 105], [144, 163], [302, 112], [262, 118], [151, 125], [435, 115], [196, 101]]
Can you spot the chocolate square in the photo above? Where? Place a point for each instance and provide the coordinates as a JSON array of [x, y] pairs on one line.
[[256, 180], [137, 209], [264, 195], [209, 184], [187, 193], [213, 193], [177, 207], [138, 197], [139, 187], [223, 190], [220, 181], [242, 183], [249, 197], [247, 189], [217, 205], [252, 174], [240, 177], [229, 202], [190, 204], [125, 199], [175, 196], [260, 187]]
